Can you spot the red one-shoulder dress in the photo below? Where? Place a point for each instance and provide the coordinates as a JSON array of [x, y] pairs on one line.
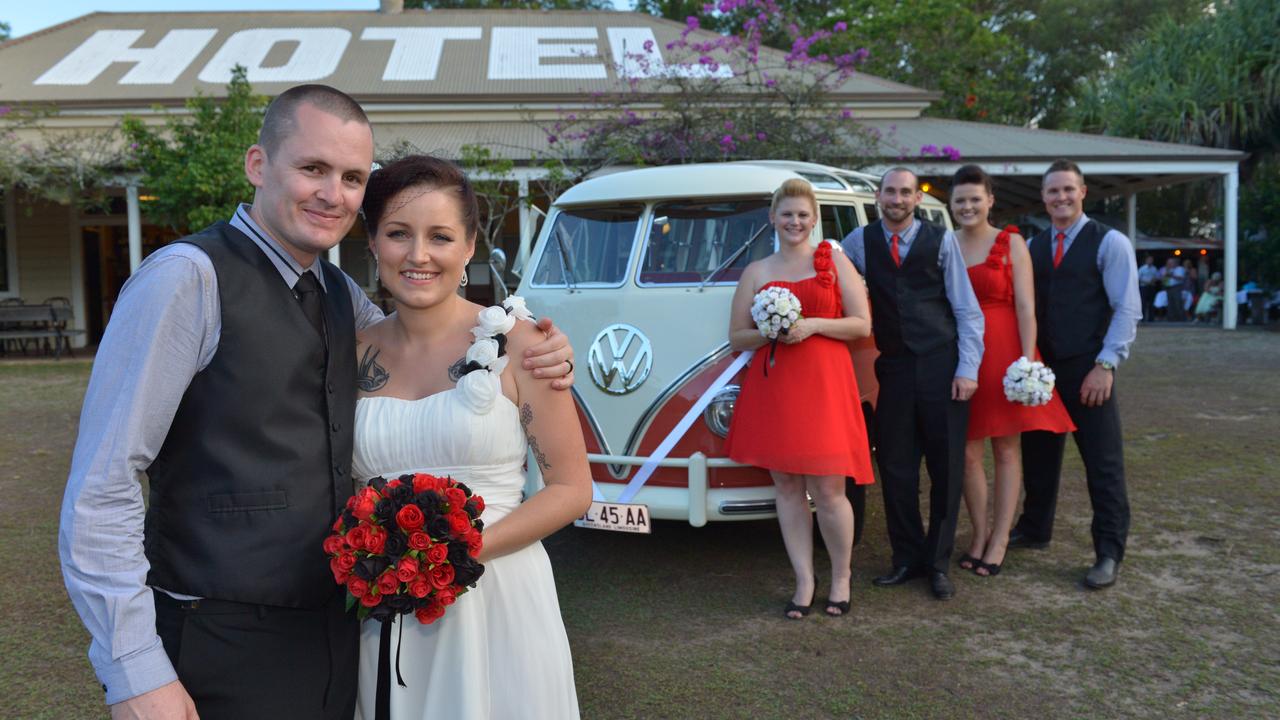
[[804, 416], [991, 414]]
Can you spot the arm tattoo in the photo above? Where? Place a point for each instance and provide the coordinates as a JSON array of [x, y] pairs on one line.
[[526, 419], [456, 369], [372, 376]]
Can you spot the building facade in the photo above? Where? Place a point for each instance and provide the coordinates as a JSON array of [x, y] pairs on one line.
[[440, 80]]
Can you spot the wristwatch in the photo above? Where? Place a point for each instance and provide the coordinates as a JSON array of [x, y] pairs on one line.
[[1105, 365]]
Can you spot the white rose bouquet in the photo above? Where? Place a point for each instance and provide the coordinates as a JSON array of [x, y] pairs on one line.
[[775, 310], [1028, 382]]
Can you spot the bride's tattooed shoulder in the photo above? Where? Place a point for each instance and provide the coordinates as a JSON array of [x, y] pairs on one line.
[[370, 375]]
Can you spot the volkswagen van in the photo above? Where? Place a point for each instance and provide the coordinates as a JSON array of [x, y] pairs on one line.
[[638, 268]]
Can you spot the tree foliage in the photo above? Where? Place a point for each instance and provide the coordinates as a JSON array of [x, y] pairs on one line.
[[1260, 218], [949, 46], [1070, 41], [194, 165], [1007, 61], [4, 31], [1214, 82], [70, 167], [494, 182], [509, 4], [711, 97]]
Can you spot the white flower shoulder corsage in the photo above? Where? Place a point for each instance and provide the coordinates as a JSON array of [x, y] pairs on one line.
[[488, 353]]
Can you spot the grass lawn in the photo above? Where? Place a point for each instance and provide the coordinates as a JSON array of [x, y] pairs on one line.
[[687, 623]]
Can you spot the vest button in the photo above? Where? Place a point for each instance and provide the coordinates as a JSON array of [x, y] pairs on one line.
[[330, 388], [338, 470], [334, 427]]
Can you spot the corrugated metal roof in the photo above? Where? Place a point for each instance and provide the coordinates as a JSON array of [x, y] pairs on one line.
[[510, 140], [491, 56], [976, 142], [1002, 143]]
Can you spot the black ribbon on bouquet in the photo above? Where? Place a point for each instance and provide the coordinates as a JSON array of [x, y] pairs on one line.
[[382, 698], [773, 350]]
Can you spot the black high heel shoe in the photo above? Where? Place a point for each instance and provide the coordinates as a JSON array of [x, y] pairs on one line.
[[804, 610], [843, 607], [993, 569]]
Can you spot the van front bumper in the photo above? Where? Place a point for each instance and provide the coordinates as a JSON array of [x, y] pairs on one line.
[[696, 503]]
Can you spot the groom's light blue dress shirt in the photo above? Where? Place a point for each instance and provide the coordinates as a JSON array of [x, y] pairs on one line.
[[164, 329], [970, 322], [1118, 263]]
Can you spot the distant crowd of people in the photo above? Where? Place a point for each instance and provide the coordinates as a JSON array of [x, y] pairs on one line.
[[1178, 292]]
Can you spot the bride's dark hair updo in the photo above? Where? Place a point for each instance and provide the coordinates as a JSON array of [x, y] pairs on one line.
[[971, 175], [423, 171]]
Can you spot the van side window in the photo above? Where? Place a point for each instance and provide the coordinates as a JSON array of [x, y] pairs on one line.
[[838, 220], [873, 212], [689, 240], [596, 243]]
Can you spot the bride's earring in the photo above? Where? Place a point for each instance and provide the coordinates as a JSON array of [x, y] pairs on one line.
[[464, 278]]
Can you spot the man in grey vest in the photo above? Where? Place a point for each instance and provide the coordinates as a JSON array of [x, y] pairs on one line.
[[227, 376], [1087, 312], [928, 328]]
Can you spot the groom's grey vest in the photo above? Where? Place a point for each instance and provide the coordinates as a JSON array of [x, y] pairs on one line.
[[910, 311], [257, 461], [1072, 309]]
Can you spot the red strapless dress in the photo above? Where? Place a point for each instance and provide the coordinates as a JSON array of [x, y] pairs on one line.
[[991, 414], [805, 416]]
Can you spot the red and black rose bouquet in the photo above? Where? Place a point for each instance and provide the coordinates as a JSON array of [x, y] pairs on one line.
[[407, 545]]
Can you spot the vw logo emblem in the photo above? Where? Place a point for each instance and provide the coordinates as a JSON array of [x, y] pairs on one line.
[[620, 359]]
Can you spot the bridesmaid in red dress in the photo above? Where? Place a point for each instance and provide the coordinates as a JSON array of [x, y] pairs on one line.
[[1000, 271], [802, 421]]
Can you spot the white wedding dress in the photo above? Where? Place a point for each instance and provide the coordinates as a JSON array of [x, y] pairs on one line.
[[500, 652]]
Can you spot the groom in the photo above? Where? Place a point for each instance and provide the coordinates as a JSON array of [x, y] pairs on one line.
[[928, 328], [1087, 312], [227, 377]]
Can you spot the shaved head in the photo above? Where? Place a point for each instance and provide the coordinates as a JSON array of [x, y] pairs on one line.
[[281, 121]]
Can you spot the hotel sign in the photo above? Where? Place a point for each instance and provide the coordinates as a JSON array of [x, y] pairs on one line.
[[312, 54]]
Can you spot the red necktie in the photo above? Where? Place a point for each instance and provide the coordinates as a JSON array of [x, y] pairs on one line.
[[1060, 239], [893, 250]]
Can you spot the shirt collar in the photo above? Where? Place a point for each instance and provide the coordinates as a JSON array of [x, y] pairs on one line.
[[288, 268], [1074, 229], [906, 236]]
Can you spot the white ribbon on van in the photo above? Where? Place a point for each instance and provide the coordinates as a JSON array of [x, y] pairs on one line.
[[677, 432]]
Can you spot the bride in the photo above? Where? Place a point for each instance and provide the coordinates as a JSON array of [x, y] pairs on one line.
[[429, 402]]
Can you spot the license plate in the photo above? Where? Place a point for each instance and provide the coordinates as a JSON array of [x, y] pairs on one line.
[[618, 517]]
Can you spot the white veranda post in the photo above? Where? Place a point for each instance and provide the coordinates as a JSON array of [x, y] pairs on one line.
[[1131, 216], [135, 227], [1231, 247]]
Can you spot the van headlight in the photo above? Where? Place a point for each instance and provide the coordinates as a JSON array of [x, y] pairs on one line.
[[719, 412]]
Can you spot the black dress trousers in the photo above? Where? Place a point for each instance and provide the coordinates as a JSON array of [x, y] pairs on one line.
[[240, 661], [1098, 437], [916, 418]]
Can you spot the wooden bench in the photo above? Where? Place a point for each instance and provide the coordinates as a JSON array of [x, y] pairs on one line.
[[22, 325]]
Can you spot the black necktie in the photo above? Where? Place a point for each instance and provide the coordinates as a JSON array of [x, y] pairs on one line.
[[310, 295]]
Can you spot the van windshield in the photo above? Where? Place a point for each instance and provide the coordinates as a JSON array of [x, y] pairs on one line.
[[689, 240], [596, 245]]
